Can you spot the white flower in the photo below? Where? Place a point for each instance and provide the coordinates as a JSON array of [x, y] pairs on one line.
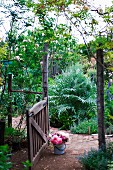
[[50, 136], [64, 134], [24, 40], [17, 58]]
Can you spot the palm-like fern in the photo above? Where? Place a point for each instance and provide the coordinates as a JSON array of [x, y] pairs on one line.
[[72, 96]]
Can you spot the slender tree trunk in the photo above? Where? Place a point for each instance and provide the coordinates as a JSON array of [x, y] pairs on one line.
[[45, 71], [100, 97]]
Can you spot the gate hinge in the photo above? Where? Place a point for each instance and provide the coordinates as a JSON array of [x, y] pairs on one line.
[[31, 114]]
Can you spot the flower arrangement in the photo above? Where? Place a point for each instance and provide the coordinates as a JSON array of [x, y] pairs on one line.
[[58, 138]]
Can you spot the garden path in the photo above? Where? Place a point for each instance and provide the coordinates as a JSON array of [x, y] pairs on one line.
[[75, 147]]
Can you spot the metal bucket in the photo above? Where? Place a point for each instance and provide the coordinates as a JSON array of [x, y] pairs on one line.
[[59, 149]]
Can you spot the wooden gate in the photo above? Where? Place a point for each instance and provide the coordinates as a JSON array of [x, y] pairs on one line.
[[37, 130]]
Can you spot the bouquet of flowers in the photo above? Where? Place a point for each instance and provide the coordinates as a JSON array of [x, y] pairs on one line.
[[58, 138]]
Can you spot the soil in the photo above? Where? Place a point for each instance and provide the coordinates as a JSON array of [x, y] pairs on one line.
[[75, 147]]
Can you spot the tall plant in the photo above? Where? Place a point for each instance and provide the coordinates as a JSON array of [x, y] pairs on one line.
[[71, 97]]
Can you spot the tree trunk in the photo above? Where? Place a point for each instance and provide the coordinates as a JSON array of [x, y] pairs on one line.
[[45, 71], [100, 97]]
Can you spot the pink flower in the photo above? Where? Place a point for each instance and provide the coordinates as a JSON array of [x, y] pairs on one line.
[[58, 138]]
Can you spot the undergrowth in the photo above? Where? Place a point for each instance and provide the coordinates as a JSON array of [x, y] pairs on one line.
[[98, 159]]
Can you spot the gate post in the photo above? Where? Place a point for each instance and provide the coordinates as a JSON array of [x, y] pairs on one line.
[[29, 137], [45, 71], [45, 79]]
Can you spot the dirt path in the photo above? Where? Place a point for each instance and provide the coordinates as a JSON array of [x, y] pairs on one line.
[[69, 161]]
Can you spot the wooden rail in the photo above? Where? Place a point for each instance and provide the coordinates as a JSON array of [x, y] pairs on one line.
[[37, 130]]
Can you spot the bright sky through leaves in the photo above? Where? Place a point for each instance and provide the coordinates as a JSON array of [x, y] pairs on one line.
[[94, 4]]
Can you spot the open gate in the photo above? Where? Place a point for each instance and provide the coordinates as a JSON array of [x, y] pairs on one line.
[[37, 116], [37, 130]]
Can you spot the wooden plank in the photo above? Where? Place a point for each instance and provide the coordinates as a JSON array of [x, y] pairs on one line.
[[34, 138], [29, 138], [39, 130], [38, 107], [47, 120], [37, 143], [43, 122], [33, 141], [37, 157]]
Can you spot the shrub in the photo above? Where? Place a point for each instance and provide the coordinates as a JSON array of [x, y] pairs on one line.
[[83, 127], [94, 160], [98, 159], [5, 163], [12, 133], [15, 138], [71, 97], [27, 164], [109, 130], [108, 95]]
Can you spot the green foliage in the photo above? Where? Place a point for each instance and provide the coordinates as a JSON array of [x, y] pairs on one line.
[[110, 150], [25, 50], [16, 138], [110, 165], [71, 97], [94, 160], [98, 159], [63, 55], [3, 50], [27, 164], [108, 103], [83, 127], [10, 131], [5, 163], [63, 36], [25, 63], [1, 81], [109, 128], [4, 105], [26, 70], [21, 59]]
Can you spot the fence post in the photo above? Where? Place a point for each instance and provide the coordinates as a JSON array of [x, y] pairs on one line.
[[45, 80], [28, 138], [45, 71], [89, 130], [2, 130]]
